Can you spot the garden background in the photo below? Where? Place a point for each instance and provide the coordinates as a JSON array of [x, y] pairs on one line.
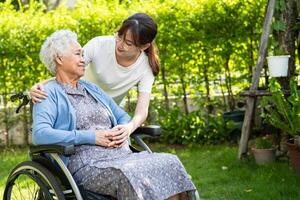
[[208, 50]]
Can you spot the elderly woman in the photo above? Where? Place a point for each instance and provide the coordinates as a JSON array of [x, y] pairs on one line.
[[78, 112]]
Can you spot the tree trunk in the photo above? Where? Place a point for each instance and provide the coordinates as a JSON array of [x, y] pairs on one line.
[[251, 49], [298, 45], [5, 109], [25, 125], [298, 31], [206, 80], [223, 93], [6, 119], [185, 103], [290, 17], [287, 38], [164, 81], [231, 100]]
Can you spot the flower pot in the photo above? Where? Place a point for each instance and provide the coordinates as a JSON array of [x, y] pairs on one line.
[[278, 65], [264, 156], [294, 154]]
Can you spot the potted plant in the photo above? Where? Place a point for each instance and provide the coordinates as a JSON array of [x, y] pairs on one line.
[[264, 150], [278, 62], [284, 113]]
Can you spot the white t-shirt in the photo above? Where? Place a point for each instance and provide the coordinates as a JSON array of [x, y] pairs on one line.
[[114, 79]]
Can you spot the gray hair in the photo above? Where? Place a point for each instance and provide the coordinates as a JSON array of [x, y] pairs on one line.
[[57, 44]]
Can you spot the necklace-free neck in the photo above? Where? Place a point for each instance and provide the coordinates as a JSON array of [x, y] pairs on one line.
[[127, 61], [63, 79]]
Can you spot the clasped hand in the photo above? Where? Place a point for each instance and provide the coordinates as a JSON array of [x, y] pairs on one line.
[[115, 137]]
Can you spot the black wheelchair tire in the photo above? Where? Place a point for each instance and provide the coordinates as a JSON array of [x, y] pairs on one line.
[[39, 174]]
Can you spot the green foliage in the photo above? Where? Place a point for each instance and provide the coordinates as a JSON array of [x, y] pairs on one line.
[[275, 49], [263, 143], [283, 112], [207, 47], [196, 127], [194, 38], [22, 34], [279, 27], [279, 51], [278, 24]]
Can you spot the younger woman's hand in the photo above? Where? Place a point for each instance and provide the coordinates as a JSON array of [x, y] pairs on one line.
[[104, 137], [37, 93], [124, 131]]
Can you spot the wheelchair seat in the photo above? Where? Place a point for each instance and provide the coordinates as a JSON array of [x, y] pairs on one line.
[[46, 177], [49, 177]]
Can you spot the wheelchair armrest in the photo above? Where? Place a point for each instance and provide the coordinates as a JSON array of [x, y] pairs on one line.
[[150, 130], [60, 149]]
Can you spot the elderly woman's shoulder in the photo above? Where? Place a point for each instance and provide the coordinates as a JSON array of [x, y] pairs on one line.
[[51, 85]]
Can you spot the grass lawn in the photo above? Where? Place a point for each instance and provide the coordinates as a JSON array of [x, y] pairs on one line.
[[9, 159], [215, 171]]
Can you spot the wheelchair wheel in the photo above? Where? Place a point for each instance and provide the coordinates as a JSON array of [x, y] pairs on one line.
[[31, 181]]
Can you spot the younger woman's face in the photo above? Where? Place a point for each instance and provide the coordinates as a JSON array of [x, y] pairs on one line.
[[125, 45]]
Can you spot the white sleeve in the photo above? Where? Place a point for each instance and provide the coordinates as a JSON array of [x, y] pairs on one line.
[[145, 84], [89, 50]]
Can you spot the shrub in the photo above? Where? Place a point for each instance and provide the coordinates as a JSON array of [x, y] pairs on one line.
[[196, 127]]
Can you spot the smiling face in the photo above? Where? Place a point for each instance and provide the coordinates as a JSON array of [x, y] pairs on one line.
[[125, 46], [71, 64]]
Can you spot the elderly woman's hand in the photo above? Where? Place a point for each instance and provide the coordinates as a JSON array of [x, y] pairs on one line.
[[122, 134], [37, 93], [104, 137]]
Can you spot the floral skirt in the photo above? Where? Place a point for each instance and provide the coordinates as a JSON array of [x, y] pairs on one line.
[[125, 175]]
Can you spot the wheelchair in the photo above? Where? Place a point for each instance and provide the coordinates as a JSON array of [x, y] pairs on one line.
[[46, 177]]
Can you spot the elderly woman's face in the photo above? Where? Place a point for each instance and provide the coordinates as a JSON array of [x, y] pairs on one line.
[[72, 63]]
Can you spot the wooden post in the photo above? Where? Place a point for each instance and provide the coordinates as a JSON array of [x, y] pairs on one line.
[[246, 129]]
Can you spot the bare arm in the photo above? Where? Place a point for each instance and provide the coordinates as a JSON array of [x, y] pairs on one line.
[[140, 115], [141, 110]]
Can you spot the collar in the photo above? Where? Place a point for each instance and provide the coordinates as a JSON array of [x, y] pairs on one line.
[[69, 89]]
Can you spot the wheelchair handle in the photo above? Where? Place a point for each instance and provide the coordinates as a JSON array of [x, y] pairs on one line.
[[21, 95]]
